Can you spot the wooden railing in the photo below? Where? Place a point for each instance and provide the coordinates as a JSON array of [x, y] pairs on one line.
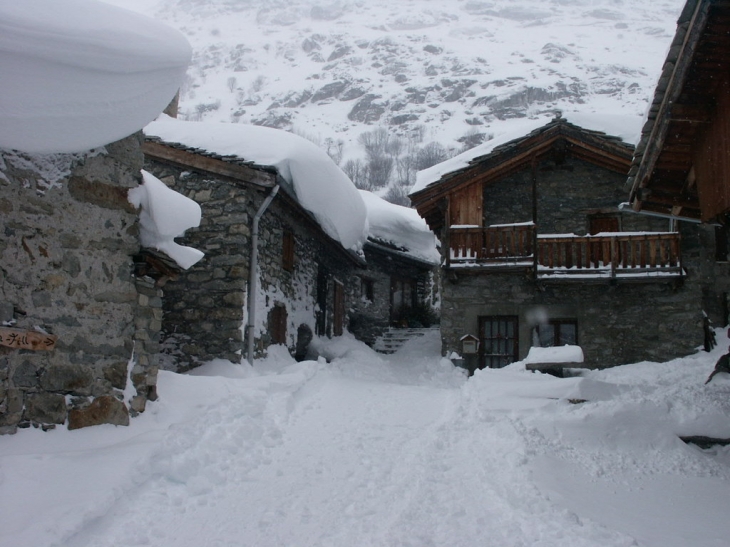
[[495, 244], [617, 254], [620, 254]]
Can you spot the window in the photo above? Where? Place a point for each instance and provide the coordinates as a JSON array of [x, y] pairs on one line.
[[556, 332], [499, 340], [287, 255], [366, 289]]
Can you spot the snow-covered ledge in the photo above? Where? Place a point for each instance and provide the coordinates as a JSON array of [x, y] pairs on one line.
[[165, 215]]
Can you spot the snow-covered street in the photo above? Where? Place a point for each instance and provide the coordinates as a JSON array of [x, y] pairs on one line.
[[373, 450]]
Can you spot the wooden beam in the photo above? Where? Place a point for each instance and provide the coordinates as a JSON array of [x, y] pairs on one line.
[[191, 160]]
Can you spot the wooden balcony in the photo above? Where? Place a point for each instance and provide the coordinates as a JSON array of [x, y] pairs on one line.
[[626, 255], [495, 245], [637, 256]]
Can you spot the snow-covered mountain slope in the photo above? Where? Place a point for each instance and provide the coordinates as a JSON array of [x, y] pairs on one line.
[[448, 71]]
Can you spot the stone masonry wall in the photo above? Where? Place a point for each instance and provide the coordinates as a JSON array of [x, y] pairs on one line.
[[68, 234], [616, 324], [206, 310]]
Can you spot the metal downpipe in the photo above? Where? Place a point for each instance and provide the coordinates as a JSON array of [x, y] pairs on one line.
[[253, 265]]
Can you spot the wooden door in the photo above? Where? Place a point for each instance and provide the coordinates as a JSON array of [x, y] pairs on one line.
[[277, 324], [402, 298], [339, 318], [598, 224], [320, 326]]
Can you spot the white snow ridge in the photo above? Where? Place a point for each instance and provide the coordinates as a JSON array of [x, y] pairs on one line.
[[80, 74]]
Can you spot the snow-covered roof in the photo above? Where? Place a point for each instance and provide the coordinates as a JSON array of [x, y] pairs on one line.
[[627, 128], [320, 186], [80, 74], [400, 226]]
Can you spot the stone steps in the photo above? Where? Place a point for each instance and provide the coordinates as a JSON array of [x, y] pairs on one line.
[[393, 339]]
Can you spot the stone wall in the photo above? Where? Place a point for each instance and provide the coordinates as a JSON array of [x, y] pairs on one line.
[[66, 268], [618, 324], [206, 309], [621, 324], [566, 195]]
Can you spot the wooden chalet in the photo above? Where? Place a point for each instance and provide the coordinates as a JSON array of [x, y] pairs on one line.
[[454, 207], [682, 164], [537, 252]]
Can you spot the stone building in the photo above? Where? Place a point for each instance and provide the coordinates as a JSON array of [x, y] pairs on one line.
[[306, 281], [537, 252], [78, 330]]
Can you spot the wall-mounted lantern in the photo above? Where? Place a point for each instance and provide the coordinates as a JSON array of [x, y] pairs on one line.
[[469, 345]]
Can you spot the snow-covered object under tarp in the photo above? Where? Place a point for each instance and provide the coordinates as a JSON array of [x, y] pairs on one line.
[[400, 226], [320, 186], [80, 74], [165, 214], [628, 128]]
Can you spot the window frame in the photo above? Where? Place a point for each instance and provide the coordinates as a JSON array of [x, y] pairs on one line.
[[288, 250], [556, 324]]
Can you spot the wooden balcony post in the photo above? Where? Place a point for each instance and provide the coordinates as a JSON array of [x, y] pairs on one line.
[[614, 257]]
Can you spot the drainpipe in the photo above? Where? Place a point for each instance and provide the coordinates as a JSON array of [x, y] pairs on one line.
[[252, 269]]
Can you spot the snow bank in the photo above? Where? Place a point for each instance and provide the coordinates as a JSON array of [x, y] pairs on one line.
[[164, 215], [80, 74], [321, 187], [370, 449], [628, 128], [400, 226]]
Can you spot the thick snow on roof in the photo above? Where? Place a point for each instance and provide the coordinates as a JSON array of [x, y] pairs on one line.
[[164, 215], [320, 186], [80, 74], [628, 128], [401, 226]]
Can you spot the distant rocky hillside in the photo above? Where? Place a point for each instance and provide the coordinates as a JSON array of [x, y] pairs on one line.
[[445, 71]]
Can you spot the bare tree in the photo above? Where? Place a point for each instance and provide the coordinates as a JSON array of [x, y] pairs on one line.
[[430, 155], [357, 171], [334, 149], [379, 170], [398, 195]]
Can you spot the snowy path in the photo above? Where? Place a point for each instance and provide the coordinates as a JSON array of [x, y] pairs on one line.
[[357, 462], [373, 451]]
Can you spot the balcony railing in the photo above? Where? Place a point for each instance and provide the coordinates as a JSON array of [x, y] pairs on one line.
[[501, 244], [617, 254], [607, 255]]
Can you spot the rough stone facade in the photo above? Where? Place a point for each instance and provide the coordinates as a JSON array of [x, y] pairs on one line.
[[206, 309], [616, 324], [68, 236]]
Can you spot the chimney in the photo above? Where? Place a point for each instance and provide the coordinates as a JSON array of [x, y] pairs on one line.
[[171, 109]]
